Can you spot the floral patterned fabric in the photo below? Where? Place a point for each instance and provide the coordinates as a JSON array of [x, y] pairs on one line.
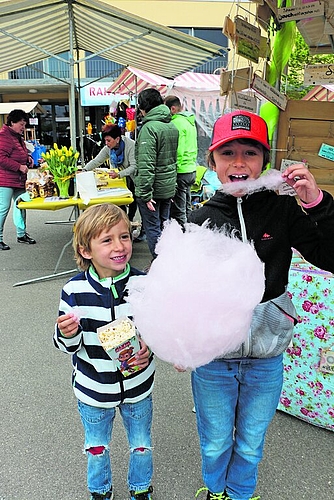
[[308, 388]]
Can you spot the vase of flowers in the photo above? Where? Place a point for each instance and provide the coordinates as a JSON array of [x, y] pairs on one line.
[[61, 162]]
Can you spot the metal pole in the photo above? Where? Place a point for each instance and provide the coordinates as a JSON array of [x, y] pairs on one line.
[[81, 120], [72, 80], [136, 107]]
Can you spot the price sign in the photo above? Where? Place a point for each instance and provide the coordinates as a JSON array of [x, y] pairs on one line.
[[269, 92], [248, 39], [243, 101], [297, 12], [326, 151], [319, 74]]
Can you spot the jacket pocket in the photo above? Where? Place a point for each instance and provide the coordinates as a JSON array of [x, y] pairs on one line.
[[272, 327]]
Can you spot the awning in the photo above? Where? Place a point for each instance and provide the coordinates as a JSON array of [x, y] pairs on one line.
[[27, 106], [198, 92], [320, 93], [31, 31], [198, 81], [133, 81]]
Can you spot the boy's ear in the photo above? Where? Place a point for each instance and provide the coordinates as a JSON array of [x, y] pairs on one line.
[[213, 167], [86, 254]]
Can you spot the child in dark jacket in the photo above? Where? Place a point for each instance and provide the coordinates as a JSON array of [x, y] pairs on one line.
[[95, 297], [236, 396]]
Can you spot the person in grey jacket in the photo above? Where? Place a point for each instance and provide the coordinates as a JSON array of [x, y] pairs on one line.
[[155, 179], [120, 151]]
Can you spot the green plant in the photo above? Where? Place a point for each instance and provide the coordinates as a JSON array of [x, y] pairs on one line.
[[61, 162]]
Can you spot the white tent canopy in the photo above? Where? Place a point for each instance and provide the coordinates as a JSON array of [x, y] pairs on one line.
[[31, 31], [27, 106]]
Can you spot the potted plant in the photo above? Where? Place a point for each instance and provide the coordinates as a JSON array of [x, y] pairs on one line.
[[62, 165]]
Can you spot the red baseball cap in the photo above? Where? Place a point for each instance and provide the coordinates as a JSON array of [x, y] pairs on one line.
[[239, 125]]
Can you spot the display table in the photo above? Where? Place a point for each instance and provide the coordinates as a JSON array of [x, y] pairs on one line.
[[120, 196], [56, 203]]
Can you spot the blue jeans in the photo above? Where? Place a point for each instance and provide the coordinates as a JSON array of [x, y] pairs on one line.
[[235, 401], [153, 221], [7, 194], [98, 425], [181, 205]]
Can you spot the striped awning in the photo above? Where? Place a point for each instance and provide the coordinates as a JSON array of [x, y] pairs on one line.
[[32, 31], [320, 93], [133, 80], [203, 81]]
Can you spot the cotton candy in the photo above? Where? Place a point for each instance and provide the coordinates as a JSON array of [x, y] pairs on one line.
[[270, 179], [197, 300]]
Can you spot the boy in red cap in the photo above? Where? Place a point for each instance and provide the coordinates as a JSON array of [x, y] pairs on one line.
[[236, 396]]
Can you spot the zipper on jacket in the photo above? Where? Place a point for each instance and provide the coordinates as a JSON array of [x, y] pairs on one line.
[[242, 221], [246, 345]]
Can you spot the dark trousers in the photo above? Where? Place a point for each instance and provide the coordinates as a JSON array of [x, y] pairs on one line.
[[181, 204], [153, 221]]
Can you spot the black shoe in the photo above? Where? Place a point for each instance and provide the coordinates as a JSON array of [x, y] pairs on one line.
[[141, 495], [140, 238], [26, 239], [98, 496], [3, 246]]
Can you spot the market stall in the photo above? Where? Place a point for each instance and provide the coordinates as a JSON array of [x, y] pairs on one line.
[[198, 92]]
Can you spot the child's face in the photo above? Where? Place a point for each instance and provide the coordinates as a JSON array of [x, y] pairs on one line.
[[236, 162], [110, 251]]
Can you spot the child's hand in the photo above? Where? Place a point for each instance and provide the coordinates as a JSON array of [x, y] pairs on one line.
[[179, 368], [141, 359], [302, 181], [68, 324]]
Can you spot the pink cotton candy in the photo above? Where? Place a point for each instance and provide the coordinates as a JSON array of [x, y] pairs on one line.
[[196, 303]]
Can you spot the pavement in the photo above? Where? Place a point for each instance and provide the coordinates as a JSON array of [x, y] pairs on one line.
[[40, 434]]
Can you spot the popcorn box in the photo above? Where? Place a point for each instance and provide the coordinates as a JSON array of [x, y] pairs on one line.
[[121, 343]]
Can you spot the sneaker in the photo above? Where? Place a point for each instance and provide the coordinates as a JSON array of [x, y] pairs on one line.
[[213, 496], [99, 496], [223, 496], [217, 496], [3, 246], [26, 239], [141, 495]]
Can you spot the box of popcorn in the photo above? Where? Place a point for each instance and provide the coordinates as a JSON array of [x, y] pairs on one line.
[[121, 343]]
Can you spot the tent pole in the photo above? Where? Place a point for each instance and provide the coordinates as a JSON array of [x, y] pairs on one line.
[[81, 118], [136, 107], [72, 81]]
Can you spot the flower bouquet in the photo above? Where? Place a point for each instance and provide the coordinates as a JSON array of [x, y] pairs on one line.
[[62, 165]]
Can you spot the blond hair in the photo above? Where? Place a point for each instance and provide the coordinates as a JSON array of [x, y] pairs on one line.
[[90, 224]]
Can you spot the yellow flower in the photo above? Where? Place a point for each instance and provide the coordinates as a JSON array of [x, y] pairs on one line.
[[61, 162]]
